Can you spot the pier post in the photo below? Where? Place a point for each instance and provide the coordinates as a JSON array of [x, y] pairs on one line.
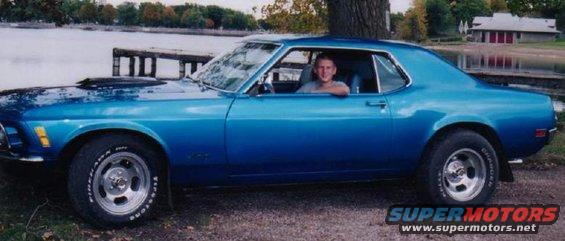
[[153, 67], [141, 66], [116, 66], [193, 67], [182, 69], [131, 66]]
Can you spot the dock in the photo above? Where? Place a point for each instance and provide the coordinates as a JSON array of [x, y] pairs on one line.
[[195, 60], [184, 58]]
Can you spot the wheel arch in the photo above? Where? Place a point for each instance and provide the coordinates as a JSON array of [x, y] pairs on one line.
[[72, 146], [489, 133]]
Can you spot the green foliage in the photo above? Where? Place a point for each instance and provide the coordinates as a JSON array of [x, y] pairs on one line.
[[298, 16], [108, 14], [151, 14], [413, 27], [88, 12], [216, 14], [193, 18], [560, 17], [535, 8], [466, 10], [70, 8], [395, 20], [238, 20], [127, 13], [169, 17], [32, 10], [498, 5], [439, 17]]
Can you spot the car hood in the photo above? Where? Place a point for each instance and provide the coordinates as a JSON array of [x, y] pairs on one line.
[[15, 102]]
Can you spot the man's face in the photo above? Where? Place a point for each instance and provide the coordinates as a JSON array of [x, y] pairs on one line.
[[325, 70]]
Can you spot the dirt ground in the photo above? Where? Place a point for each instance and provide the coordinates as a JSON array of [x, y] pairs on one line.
[[306, 212]]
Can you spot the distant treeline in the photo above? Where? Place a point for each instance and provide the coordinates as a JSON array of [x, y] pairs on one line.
[[128, 13]]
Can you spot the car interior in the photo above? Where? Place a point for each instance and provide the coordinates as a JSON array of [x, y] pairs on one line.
[[354, 68]]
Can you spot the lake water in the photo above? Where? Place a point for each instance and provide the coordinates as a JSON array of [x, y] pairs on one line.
[[51, 57]]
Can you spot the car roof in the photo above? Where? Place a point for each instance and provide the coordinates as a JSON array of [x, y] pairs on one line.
[[321, 40]]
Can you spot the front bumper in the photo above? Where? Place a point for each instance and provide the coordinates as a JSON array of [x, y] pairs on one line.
[[11, 157]]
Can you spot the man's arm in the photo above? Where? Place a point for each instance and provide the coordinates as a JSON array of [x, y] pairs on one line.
[[335, 90], [340, 89]]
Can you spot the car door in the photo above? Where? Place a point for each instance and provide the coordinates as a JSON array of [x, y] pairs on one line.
[[314, 133], [295, 134]]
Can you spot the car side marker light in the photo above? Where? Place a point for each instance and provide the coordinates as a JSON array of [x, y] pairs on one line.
[[42, 135]]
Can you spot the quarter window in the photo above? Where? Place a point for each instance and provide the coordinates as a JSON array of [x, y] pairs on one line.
[[389, 76]]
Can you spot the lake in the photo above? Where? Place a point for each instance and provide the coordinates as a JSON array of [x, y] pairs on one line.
[[52, 57]]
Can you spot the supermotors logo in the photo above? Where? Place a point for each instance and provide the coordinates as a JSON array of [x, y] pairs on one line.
[[496, 219]]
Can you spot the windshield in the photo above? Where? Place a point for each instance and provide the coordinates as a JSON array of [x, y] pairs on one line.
[[230, 71]]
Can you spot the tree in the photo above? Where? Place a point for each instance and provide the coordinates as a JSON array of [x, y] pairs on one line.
[[413, 27], [209, 23], [70, 9], [193, 18], [151, 14], [536, 8], [238, 20], [466, 10], [302, 16], [215, 13], [395, 20], [497, 5], [169, 18], [439, 17], [360, 18], [127, 13], [108, 14], [88, 12]]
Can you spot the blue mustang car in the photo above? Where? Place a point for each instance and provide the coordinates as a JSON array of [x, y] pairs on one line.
[[239, 121]]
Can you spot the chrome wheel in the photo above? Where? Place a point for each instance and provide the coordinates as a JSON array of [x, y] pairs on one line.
[[464, 175], [121, 183]]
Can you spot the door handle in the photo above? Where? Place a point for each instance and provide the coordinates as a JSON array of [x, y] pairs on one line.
[[380, 103]]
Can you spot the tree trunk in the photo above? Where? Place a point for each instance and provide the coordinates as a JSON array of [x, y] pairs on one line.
[[359, 18]]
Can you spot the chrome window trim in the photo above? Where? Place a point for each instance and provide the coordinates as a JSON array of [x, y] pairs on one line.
[[376, 69], [8, 147], [275, 51], [373, 51]]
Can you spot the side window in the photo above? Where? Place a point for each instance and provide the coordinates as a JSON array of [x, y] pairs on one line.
[[389, 76]]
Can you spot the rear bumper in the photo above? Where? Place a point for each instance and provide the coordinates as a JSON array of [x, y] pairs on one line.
[[10, 157], [551, 134]]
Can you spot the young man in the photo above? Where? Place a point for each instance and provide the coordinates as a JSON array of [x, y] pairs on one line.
[[325, 70]]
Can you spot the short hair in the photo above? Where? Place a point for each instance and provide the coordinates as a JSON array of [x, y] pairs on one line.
[[323, 56]]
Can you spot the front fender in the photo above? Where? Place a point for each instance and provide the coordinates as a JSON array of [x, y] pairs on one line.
[[61, 133]]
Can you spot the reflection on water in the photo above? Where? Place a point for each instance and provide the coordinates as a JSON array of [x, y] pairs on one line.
[[505, 63], [514, 64]]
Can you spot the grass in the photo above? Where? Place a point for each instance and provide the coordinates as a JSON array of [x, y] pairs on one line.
[[553, 154], [557, 44]]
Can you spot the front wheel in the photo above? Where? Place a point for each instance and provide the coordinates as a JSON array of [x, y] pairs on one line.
[[114, 180], [460, 168]]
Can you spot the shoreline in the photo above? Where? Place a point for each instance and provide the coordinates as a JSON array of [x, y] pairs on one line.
[[137, 29], [502, 49]]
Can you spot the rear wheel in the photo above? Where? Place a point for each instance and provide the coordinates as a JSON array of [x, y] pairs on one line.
[[461, 167], [114, 180]]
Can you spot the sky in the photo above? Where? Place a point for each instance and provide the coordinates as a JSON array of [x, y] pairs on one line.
[[246, 6]]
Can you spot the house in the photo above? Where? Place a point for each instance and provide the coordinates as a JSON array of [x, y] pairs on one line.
[[509, 29]]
